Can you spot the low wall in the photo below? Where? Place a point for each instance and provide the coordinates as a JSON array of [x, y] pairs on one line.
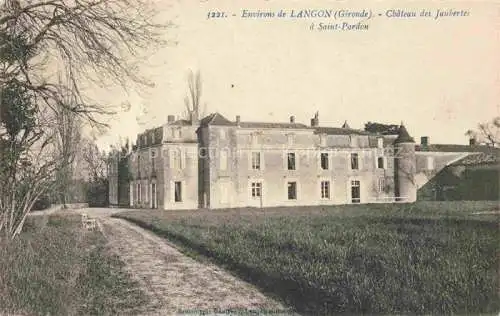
[[75, 206]]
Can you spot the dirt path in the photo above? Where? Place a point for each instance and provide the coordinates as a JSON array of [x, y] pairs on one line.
[[176, 283]]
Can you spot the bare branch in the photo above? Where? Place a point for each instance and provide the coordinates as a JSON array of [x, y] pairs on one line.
[[50, 51]]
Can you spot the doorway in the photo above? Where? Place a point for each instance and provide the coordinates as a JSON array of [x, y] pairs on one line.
[[154, 203], [224, 192]]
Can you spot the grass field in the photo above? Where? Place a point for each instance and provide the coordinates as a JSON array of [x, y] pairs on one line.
[[424, 258], [56, 268]]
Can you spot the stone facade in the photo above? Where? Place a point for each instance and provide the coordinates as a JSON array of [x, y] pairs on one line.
[[218, 163], [164, 168]]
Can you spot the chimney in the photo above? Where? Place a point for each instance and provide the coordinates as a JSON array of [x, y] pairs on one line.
[[170, 118], [424, 141], [315, 120], [238, 119], [292, 119], [472, 141]]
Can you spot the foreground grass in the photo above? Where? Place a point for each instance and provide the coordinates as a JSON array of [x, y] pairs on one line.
[[424, 258], [55, 268]]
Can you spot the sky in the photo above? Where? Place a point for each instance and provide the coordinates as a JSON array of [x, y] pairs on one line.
[[440, 77]]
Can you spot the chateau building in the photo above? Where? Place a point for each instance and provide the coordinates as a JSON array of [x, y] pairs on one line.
[[218, 163]]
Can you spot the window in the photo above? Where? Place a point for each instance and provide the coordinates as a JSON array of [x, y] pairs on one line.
[[354, 161], [172, 132], [324, 161], [139, 166], [179, 133], [292, 190], [291, 161], [380, 162], [176, 159], [380, 142], [256, 161], [381, 184], [138, 193], [254, 139], [430, 163], [132, 194], [222, 134], [256, 189], [153, 156], [354, 141], [178, 191], [290, 138], [325, 189], [224, 187], [355, 191], [223, 160]]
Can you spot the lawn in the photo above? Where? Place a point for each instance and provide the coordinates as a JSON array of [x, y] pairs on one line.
[[423, 258], [57, 268]]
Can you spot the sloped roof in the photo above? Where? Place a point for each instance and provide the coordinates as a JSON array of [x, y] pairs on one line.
[[215, 119], [219, 120], [459, 148], [479, 158], [273, 125], [340, 131], [153, 136], [403, 136]]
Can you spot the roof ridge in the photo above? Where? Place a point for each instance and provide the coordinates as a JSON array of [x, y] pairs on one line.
[[213, 117]]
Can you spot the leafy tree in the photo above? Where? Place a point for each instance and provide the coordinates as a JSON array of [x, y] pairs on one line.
[[384, 129], [51, 53], [25, 169]]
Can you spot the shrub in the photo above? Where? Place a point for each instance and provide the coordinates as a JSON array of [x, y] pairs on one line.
[[42, 203]]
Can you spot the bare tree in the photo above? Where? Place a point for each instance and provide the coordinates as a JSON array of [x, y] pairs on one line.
[[192, 100], [96, 164], [52, 51], [487, 133], [27, 163], [95, 160], [68, 132]]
